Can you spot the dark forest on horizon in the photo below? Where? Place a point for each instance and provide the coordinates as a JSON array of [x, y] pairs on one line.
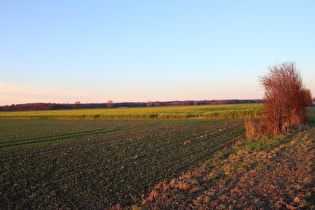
[[110, 104]]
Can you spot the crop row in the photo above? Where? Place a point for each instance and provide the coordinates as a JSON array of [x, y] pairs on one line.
[[15, 145]]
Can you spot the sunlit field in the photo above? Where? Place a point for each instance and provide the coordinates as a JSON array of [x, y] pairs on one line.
[[236, 111], [51, 164], [82, 164]]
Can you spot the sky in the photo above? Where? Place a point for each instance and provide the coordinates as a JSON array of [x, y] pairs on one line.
[[138, 51]]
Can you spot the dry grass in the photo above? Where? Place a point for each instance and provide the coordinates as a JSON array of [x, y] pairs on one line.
[[252, 128]]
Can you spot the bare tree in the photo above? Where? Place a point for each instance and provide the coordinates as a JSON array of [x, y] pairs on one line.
[[110, 104], [285, 102], [285, 98], [77, 105]]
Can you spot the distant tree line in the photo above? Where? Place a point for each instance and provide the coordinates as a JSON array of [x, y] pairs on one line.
[[35, 107], [111, 104]]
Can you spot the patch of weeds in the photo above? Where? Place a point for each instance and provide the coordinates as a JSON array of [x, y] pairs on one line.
[[267, 142], [179, 196]]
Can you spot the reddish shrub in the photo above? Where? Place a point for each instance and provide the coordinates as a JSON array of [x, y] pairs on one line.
[[285, 101]]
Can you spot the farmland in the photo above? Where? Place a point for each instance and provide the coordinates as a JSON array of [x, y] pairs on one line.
[[272, 172], [99, 163], [235, 111]]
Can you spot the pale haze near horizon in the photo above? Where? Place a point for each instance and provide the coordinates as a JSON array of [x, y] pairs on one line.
[[139, 51]]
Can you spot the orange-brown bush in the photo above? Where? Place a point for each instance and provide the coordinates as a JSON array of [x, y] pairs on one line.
[[285, 102]]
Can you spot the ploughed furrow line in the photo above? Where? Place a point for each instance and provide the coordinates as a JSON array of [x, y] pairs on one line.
[[74, 145], [56, 137], [60, 147]]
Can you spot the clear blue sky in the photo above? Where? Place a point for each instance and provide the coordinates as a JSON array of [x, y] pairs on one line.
[[95, 51]]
